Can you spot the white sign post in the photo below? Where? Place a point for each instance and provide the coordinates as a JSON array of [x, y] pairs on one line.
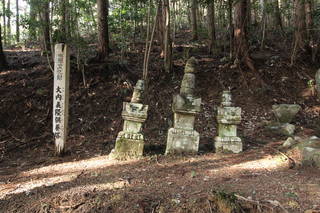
[[61, 96]]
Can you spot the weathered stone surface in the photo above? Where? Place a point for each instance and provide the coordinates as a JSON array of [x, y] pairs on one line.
[[289, 142], [285, 113], [182, 138], [228, 117], [182, 141], [130, 141], [285, 129], [228, 144], [305, 152]]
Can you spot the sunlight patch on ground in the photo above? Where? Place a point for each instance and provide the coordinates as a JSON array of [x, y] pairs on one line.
[[26, 187], [268, 163], [77, 166]]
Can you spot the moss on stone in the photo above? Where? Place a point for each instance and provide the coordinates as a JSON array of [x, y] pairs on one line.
[[128, 149]]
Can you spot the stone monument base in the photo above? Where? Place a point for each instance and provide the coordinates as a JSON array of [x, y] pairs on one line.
[[182, 141], [228, 144], [127, 149]]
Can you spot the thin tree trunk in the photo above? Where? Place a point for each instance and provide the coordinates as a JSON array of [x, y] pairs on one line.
[[167, 38], [3, 61], [277, 15], [194, 26], [4, 22], [309, 21], [160, 27], [231, 33], [300, 30], [241, 47], [45, 23], [17, 22], [211, 27], [63, 20], [103, 34], [8, 23], [33, 14]]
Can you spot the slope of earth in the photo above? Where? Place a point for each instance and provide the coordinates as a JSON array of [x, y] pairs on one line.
[[33, 179]]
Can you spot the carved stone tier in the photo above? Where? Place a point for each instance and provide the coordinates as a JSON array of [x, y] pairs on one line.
[[228, 118], [130, 141]]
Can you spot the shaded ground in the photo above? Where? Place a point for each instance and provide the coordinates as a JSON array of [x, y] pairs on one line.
[[32, 179]]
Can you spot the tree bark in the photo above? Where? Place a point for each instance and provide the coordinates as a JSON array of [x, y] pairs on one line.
[[45, 26], [300, 24], [300, 32], [211, 26], [103, 33], [4, 22], [167, 38], [3, 61], [277, 16], [8, 23], [160, 27], [241, 47], [17, 22], [309, 21], [194, 26], [33, 14]]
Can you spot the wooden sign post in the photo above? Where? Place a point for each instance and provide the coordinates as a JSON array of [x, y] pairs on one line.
[[61, 96]]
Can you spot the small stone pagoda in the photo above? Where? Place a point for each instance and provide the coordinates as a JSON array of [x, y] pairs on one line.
[[130, 141], [182, 138], [228, 118]]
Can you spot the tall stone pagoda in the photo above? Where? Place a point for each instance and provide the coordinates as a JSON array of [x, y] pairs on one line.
[[182, 138], [130, 141], [228, 118]]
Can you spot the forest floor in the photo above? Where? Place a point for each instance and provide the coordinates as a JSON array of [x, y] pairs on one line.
[[33, 179]]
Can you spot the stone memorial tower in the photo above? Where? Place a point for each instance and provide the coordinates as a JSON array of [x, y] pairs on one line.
[[182, 138], [228, 118], [130, 141]]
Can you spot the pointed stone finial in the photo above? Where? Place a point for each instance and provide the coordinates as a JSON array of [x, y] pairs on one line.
[[188, 81], [226, 98], [191, 65], [137, 96]]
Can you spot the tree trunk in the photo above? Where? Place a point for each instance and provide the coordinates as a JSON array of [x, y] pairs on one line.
[[17, 22], [300, 24], [211, 27], [33, 14], [241, 47], [300, 32], [231, 27], [309, 21], [167, 38], [45, 26], [63, 21], [103, 34], [194, 27], [160, 27], [8, 23], [277, 16], [3, 61], [4, 22]]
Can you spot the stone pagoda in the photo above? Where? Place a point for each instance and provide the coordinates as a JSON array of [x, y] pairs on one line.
[[228, 118], [130, 141], [182, 138]]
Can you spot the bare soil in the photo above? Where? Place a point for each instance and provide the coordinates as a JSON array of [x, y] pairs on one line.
[[33, 179]]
